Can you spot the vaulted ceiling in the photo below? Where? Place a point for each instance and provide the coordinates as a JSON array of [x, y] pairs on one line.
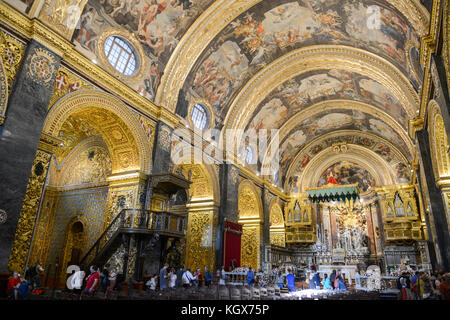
[[310, 68]]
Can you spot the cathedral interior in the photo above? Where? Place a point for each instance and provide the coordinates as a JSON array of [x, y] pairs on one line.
[[116, 120]]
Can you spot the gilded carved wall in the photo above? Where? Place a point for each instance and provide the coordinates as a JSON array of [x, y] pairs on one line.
[[27, 219], [250, 249], [11, 55], [201, 239]]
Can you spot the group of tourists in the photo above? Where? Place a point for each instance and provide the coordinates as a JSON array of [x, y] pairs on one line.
[[179, 278], [417, 285], [334, 282], [18, 286]]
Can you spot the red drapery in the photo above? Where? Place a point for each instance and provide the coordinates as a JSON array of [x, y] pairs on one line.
[[231, 244]]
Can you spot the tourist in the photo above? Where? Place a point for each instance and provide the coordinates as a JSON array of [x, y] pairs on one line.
[[198, 277], [92, 281], [250, 277], [312, 285], [222, 276], [444, 287], [357, 280], [426, 288], [326, 283], [104, 277], [33, 275], [13, 286], [290, 278], [413, 284], [111, 282], [180, 272], [316, 280], [23, 289], [339, 282], [187, 278], [163, 277], [333, 278], [208, 277], [280, 280], [172, 278]]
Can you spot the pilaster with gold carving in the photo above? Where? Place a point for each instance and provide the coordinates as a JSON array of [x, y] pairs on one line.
[[24, 233], [201, 238]]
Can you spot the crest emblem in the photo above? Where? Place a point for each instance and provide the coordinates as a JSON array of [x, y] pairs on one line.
[[41, 67]]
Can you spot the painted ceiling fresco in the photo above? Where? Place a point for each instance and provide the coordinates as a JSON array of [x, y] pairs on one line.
[[273, 28], [158, 26], [346, 172], [392, 156], [316, 86], [324, 122]]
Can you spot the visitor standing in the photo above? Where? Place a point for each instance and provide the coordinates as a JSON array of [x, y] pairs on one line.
[[104, 277], [163, 277], [222, 276], [250, 277], [413, 284], [357, 280], [333, 278], [92, 281], [444, 287], [187, 278], [316, 280], [179, 277], [77, 282], [112, 276], [13, 286], [172, 278], [326, 283], [290, 278], [280, 280], [208, 277]]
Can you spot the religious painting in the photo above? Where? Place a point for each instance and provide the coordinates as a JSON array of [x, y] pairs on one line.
[[270, 29], [346, 172], [158, 25], [312, 87], [28, 4], [323, 123]]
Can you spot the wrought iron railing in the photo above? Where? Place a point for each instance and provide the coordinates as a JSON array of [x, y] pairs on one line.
[[135, 220]]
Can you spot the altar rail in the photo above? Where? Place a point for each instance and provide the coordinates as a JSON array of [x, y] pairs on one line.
[[238, 278]]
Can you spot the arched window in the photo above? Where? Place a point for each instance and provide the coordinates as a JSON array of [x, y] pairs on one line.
[[199, 116], [121, 55]]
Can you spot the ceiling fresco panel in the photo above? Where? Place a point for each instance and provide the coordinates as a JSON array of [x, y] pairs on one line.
[[157, 25], [271, 29], [296, 94]]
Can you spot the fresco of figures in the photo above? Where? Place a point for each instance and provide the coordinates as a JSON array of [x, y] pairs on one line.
[[157, 24], [316, 86], [270, 29], [323, 123], [392, 157], [346, 172]]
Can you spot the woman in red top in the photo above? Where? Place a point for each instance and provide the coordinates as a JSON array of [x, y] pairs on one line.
[[13, 285]]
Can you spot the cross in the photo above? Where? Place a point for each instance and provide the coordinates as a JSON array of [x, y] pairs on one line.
[[60, 82]]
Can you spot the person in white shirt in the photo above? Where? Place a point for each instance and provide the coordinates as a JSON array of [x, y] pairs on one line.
[[187, 278], [77, 281], [173, 278]]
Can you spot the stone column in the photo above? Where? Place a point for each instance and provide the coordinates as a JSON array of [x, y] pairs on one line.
[[20, 135], [437, 205], [229, 194], [265, 240]]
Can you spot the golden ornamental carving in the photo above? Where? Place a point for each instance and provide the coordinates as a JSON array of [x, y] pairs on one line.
[[27, 218], [277, 239], [165, 138], [248, 205], [200, 250], [276, 216], [62, 15], [41, 67], [250, 247]]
